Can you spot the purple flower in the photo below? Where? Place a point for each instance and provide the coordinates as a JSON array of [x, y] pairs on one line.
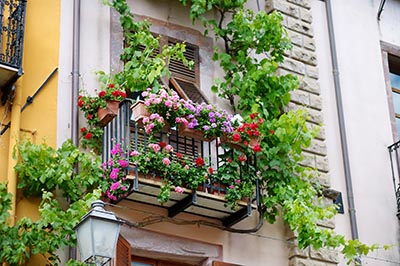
[[206, 128], [213, 125]]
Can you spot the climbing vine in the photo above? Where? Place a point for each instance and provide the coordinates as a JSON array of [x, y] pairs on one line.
[[41, 171], [253, 46]]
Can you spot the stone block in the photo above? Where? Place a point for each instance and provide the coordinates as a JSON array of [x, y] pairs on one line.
[[300, 97], [305, 15], [312, 71], [293, 65], [324, 179], [296, 261], [317, 147], [303, 3], [299, 26], [322, 163], [295, 251], [316, 101], [284, 7], [309, 43], [308, 160], [310, 84], [321, 130], [324, 255], [295, 37], [303, 55]]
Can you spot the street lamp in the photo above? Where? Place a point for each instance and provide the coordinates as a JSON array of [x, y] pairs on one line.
[[97, 235]]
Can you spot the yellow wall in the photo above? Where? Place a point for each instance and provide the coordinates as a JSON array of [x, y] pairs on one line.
[[39, 120]]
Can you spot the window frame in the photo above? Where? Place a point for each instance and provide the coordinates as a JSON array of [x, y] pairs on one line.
[[389, 50]]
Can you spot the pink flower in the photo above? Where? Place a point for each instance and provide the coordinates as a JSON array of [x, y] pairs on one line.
[[166, 161], [168, 103], [111, 196], [134, 153], [155, 147], [115, 186], [169, 148], [114, 173], [238, 181], [178, 190], [231, 186], [123, 163]]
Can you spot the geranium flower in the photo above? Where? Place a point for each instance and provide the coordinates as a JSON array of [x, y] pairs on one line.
[[199, 162], [179, 190], [166, 161], [88, 136], [83, 129], [179, 155], [123, 163], [102, 93], [257, 148], [210, 170], [236, 137]]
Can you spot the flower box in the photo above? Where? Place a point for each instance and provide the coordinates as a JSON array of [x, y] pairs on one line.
[[107, 114], [139, 111], [254, 140], [193, 133]]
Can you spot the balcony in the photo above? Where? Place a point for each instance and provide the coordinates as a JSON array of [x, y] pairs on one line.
[[208, 200], [395, 163], [12, 18]]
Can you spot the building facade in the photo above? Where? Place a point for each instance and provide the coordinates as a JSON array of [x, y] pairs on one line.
[[347, 57]]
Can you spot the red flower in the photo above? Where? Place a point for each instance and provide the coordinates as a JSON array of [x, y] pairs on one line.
[[260, 121], [102, 94], [88, 135], [111, 85], [254, 126], [272, 131], [115, 93], [230, 160], [257, 148], [83, 129], [210, 170], [256, 133], [89, 116], [245, 143], [199, 162], [123, 94], [81, 103], [253, 115], [242, 158], [240, 129], [179, 155], [249, 133], [163, 144], [236, 137], [80, 97]]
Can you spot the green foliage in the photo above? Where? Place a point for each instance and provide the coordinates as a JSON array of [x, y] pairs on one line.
[[41, 167], [53, 230], [254, 46], [145, 59]]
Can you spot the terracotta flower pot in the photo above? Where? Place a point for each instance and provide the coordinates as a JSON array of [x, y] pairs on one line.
[[107, 114], [139, 111], [255, 140], [193, 133]]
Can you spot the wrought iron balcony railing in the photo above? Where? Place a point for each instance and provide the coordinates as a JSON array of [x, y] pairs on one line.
[[395, 163], [206, 201], [12, 19]]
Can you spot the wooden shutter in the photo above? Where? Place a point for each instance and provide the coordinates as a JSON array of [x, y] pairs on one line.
[[123, 254]]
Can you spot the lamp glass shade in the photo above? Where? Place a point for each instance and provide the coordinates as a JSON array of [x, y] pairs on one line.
[[97, 236]]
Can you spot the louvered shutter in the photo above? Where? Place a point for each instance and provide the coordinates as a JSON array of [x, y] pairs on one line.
[[123, 254]]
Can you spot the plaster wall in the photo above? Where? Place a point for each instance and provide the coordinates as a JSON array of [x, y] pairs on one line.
[[367, 118], [94, 55]]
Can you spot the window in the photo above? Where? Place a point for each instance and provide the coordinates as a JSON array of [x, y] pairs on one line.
[[394, 73], [138, 261]]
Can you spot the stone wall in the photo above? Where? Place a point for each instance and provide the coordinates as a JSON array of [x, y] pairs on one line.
[[302, 61]]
